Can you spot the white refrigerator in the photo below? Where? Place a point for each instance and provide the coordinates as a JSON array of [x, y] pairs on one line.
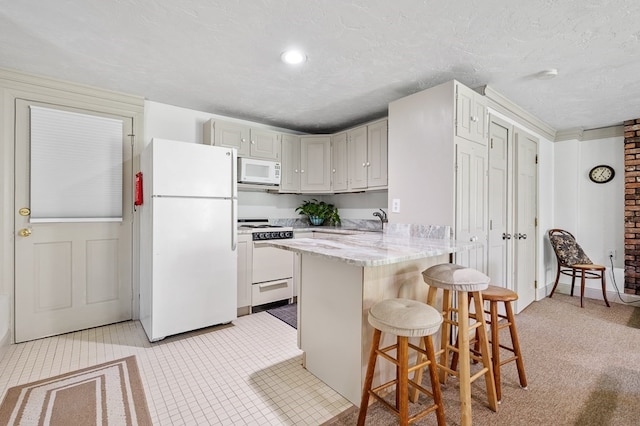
[[188, 236]]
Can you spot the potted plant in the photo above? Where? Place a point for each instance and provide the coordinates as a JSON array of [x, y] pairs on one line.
[[319, 212]]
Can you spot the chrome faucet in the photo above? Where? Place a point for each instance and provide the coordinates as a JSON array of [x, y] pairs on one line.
[[382, 216]]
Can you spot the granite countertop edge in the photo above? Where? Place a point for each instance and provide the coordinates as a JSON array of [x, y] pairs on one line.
[[373, 248]]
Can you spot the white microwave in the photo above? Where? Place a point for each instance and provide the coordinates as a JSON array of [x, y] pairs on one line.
[[262, 172]]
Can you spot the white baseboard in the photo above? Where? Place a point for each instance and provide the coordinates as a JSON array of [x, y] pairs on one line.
[[590, 293]]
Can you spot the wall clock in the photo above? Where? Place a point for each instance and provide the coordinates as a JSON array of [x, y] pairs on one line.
[[602, 174]]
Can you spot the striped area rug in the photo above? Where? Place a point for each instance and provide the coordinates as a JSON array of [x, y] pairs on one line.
[[105, 394]]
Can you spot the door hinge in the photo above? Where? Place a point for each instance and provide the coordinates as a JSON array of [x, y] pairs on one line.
[[491, 143], [535, 221], [535, 283], [536, 158], [132, 136], [490, 225]]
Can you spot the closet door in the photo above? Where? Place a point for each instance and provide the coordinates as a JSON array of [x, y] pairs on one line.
[[526, 208], [471, 202], [500, 199]]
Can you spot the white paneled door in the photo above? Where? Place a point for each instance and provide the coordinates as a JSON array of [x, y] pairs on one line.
[[70, 274], [512, 210]]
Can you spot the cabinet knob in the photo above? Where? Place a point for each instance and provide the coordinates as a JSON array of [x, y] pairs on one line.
[[253, 142], [364, 164], [368, 164], [295, 171], [334, 170], [474, 118], [243, 140], [302, 171]]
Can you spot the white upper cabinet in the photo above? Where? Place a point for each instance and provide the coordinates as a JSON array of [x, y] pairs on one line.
[[250, 142], [357, 152], [315, 164], [377, 145], [367, 155], [290, 178], [339, 162], [471, 115]]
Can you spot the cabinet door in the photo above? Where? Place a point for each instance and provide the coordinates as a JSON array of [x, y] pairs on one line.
[[315, 163], [357, 147], [339, 162], [265, 144], [377, 154], [471, 115], [471, 202], [244, 247], [290, 178], [232, 135]]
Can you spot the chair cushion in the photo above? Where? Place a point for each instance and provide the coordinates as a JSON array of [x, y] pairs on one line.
[[449, 276], [568, 250], [405, 317]]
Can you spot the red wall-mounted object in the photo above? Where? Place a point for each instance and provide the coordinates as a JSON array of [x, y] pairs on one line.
[[138, 199]]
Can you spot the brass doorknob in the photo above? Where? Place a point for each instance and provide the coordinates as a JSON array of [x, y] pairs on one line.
[[24, 232]]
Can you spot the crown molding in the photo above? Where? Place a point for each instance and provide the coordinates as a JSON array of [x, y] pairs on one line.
[[513, 111], [19, 79], [589, 134]]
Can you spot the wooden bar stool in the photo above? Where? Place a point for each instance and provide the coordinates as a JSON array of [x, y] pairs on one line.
[[404, 318], [495, 295], [463, 281]]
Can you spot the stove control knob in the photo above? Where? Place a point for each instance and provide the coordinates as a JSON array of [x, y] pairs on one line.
[[261, 236]]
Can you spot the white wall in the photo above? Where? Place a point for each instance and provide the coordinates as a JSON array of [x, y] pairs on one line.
[[594, 213], [182, 124]]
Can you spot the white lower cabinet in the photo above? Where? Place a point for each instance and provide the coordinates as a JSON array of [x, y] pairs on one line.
[[245, 260]]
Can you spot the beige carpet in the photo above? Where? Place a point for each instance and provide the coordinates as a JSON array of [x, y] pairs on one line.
[[582, 365], [105, 394]]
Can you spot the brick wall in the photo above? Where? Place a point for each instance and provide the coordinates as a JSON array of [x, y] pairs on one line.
[[632, 206]]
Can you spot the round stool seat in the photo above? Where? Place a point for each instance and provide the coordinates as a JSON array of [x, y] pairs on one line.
[[449, 276], [499, 294], [405, 317]]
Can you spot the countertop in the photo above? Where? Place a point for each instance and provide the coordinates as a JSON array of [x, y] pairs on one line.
[[373, 248]]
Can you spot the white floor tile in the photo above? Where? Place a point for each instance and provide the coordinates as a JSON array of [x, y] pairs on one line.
[[247, 373]]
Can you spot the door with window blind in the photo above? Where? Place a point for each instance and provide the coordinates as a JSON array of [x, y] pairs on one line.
[[73, 220]]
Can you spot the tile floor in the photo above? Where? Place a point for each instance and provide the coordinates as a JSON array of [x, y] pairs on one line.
[[247, 373]]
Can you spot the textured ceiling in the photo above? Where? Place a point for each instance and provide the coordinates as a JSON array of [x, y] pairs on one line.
[[223, 56]]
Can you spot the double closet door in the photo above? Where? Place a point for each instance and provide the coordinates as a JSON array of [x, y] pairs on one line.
[[512, 210]]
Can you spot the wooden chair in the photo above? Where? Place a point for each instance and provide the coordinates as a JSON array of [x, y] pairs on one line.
[[572, 261]]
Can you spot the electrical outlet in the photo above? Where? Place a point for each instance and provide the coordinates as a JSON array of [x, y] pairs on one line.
[[611, 254], [395, 205]]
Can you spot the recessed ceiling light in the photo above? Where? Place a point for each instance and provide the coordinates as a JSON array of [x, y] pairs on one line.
[[293, 57], [547, 74]]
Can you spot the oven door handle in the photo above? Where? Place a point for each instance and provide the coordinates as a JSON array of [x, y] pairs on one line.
[[273, 284], [263, 244]]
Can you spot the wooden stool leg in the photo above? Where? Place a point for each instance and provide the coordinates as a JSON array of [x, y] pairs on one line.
[[435, 384], [402, 387], [364, 403], [465, 367], [604, 287], [417, 377], [495, 347], [573, 280], [486, 357], [445, 334], [516, 344]]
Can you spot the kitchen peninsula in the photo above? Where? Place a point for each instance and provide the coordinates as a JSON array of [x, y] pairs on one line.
[[341, 277]]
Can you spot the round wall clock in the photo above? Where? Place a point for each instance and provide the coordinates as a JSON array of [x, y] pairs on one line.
[[602, 174]]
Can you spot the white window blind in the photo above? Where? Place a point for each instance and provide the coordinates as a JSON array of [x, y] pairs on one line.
[[76, 167]]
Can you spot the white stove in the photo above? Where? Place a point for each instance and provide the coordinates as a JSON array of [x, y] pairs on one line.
[[272, 268], [261, 230]]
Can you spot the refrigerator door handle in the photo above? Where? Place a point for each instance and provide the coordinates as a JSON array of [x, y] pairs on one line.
[[234, 200]]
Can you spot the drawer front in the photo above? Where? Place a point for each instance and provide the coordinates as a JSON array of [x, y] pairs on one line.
[[271, 291]]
